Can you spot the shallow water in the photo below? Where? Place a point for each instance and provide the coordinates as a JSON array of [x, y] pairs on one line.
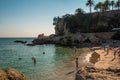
[[47, 64]]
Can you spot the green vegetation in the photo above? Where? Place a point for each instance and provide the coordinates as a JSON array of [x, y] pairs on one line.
[[104, 19], [116, 36]]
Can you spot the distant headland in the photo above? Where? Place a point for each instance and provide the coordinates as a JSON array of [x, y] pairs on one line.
[[81, 27]]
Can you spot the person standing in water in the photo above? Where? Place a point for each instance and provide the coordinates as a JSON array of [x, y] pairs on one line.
[[34, 60]]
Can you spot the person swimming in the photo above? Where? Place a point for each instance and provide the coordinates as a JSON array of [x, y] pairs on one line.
[[43, 52], [19, 58]]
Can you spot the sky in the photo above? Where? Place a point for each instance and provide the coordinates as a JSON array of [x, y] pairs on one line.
[[28, 18]]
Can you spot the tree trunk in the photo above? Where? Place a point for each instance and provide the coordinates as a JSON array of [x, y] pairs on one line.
[[90, 10]]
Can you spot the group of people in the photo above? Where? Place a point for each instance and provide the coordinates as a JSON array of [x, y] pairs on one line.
[[34, 59], [107, 48], [114, 48]]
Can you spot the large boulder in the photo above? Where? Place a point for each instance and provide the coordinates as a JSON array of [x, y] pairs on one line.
[[93, 39], [11, 74], [3, 75]]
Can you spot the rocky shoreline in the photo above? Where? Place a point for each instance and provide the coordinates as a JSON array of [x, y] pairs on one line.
[[11, 74], [78, 39]]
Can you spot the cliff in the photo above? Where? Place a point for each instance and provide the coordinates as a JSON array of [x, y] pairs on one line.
[[79, 28], [85, 23]]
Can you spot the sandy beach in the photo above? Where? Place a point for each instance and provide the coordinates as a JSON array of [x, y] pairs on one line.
[[106, 68], [103, 67]]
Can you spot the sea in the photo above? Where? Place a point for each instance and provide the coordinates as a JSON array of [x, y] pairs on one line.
[[19, 56]]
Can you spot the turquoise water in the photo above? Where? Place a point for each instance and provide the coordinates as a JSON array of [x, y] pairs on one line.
[[47, 64]]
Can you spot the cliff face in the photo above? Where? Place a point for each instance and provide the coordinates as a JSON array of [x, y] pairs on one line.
[[99, 22], [82, 28], [11, 74], [60, 28]]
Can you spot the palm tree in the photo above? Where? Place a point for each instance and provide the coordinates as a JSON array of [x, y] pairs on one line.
[[107, 5], [100, 5], [112, 3], [79, 11], [118, 4], [90, 3], [96, 7]]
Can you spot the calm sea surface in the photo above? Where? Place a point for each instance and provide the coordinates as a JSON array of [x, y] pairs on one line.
[[53, 59]]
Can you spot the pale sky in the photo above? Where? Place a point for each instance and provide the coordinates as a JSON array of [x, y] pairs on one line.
[[28, 18]]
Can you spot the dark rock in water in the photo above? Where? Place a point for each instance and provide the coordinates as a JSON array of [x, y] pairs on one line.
[[11, 74], [20, 41], [30, 44], [38, 41]]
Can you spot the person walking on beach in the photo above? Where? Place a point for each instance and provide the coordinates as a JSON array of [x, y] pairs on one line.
[[108, 50], [77, 65], [104, 47], [115, 53], [116, 50]]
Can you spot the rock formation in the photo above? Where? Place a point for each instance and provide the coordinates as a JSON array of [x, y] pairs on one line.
[[11, 74]]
